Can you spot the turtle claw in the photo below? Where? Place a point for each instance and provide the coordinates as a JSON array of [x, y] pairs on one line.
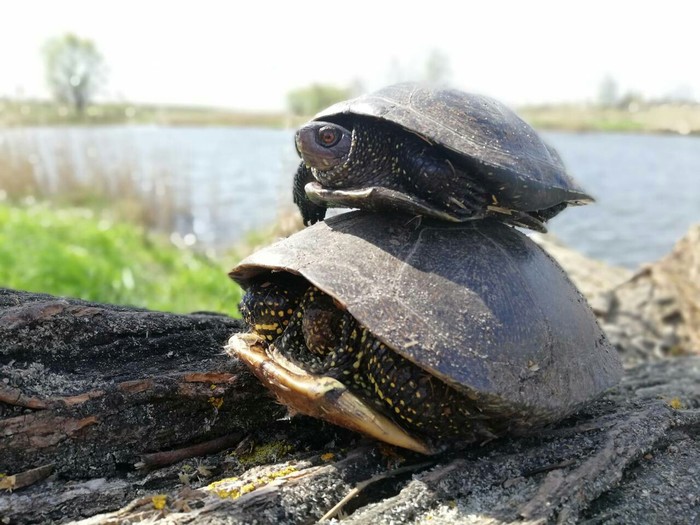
[[311, 213], [517, 218]]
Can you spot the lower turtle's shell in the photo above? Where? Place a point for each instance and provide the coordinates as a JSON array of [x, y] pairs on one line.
[[477, 304]]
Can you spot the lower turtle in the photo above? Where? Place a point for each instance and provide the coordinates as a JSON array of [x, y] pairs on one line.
[[423, 334]]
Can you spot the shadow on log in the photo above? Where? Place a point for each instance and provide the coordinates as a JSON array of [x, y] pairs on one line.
[[88, 392]]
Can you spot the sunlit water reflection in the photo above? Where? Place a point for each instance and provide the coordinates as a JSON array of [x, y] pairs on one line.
[[226, 181]]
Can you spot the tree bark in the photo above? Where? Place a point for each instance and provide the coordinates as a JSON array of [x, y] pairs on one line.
[[89, 387], [103, 408]]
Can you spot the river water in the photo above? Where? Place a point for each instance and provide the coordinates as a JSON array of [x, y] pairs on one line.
[[227, 181], [647, 189]]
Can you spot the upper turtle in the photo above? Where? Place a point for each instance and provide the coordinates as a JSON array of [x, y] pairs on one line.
[[440, 153]]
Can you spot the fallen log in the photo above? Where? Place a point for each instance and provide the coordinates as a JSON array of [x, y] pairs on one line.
[[88, 387], [102, 409]]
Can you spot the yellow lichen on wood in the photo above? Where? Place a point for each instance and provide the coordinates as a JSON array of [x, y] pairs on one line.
[[266, 453], [159, 501], [675, 403], [233, 488]]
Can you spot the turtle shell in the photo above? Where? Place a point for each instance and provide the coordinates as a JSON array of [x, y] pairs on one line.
[[477, 304], [524, 172]]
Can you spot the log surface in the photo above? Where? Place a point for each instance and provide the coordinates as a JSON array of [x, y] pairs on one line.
[[89, 391]]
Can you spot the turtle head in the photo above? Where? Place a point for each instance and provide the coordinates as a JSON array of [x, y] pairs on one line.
[[325, 147], [268, 307]]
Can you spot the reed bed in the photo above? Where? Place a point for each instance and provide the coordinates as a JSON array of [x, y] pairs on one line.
[[66, 173]]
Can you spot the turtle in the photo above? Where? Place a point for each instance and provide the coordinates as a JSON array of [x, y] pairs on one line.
[[440, 153], [428, 335]]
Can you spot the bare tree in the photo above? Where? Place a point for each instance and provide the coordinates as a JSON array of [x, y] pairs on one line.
[[74, 70]]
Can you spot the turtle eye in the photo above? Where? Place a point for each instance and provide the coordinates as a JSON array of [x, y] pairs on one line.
[[328, 136]]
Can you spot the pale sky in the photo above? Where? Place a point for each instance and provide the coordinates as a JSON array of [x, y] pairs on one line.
[[248, 55]]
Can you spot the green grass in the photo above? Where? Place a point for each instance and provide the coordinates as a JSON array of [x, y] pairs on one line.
[[73, 252]]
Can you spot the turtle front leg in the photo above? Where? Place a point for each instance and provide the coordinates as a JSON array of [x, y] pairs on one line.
[[310, 212], [435, 179]]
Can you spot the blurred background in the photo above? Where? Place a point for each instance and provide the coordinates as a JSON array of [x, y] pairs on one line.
[[146, 146]]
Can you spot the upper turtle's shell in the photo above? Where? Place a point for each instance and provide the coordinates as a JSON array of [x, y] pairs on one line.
[[507, 152], [477, 304]]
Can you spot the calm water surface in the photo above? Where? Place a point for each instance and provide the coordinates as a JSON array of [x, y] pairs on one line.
[[227, 181], [647, 189]]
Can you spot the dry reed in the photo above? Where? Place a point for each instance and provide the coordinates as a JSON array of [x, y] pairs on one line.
[[68, 173]]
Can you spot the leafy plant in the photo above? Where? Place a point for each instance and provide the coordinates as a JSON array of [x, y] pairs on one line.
[[73, 252]]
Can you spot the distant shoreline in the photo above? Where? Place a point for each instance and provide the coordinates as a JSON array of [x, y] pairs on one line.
[[663, 118], [667, 118]]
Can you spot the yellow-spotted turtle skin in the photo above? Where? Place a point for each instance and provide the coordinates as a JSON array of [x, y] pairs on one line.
[[454, 331], [439, 153], [319, 336]]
